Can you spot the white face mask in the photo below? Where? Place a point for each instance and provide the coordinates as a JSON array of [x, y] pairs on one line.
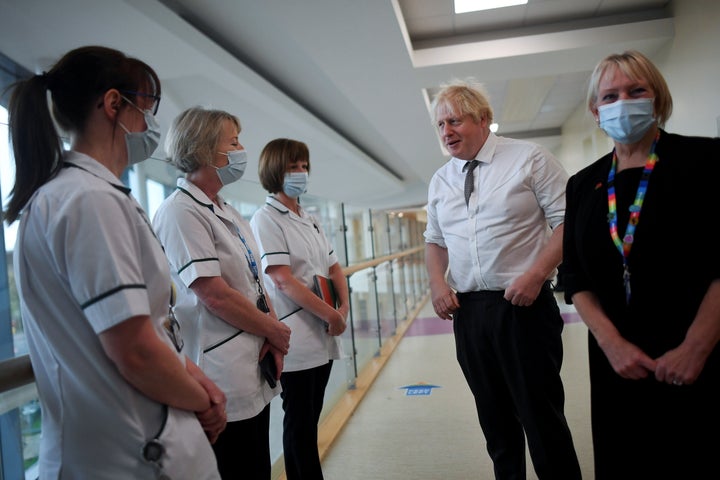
[[295, 184], [234, 170], [626, 121], [141, 145]]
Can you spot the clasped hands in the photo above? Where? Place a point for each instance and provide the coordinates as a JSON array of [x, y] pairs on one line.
[[679, 366]]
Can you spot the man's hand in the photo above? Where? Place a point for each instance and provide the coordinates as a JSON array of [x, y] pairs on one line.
[[444, 301]]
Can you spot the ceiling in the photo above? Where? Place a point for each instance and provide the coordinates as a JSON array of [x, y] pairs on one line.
[[351, 78]]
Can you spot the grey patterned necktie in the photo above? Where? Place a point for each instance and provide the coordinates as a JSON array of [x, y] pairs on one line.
[[468, 168]]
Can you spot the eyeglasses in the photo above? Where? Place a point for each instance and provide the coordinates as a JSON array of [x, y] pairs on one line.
[[156, 105]]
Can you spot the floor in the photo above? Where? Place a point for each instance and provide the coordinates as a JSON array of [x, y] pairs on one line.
[[418, 421]]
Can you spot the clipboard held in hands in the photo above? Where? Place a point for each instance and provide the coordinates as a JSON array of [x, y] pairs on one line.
[[325, 289]]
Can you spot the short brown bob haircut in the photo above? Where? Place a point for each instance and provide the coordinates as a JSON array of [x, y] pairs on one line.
[[275, 158]]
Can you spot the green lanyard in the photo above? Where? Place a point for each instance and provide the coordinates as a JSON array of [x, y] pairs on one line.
[[625, 244]]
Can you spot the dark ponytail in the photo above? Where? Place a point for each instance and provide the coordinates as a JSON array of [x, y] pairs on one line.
[[36, 146], [76, 84]]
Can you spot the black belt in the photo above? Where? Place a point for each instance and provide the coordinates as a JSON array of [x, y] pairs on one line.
[[490, 293], [479, 294]]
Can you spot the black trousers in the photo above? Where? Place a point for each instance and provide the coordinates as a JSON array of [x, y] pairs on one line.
[[649, 429], [243, 449], [511, 358], [303, 394]]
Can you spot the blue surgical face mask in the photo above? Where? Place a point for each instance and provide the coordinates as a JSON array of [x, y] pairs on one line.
[[234, 170], [295, 184], [626, 121], [140, 145]]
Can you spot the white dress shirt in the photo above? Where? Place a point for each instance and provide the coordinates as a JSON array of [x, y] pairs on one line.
[[518, 196]]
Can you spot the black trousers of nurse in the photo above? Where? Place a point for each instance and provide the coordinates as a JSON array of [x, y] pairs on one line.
[[302, 400], [511, 358], [243, 449]]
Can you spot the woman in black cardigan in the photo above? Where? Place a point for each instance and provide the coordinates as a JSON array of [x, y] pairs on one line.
[[642, 267]]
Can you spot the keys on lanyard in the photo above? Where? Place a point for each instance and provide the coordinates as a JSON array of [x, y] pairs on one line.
[[261, 303], [626, 281], [171, 325], [153, 452], [625, 244]]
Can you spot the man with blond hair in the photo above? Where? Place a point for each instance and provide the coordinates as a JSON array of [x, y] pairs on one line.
[[493, 242]]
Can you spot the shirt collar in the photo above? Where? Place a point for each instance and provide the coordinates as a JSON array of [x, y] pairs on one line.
[[276, 204], [280, 207], [94, 167], [485, 155], [198, 195], [194, 191]]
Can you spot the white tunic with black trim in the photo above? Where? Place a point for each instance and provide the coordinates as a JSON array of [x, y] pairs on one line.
[[297, 241], [86, 260], [202, 240]]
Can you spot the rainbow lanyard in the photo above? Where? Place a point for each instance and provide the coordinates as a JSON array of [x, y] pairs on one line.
[[625, 244]]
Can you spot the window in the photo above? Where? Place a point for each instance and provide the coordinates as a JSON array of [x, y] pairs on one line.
[[7, 174], [19, 427]]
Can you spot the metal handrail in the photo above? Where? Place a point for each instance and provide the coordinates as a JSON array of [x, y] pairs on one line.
[[17, 371], [349, 270]]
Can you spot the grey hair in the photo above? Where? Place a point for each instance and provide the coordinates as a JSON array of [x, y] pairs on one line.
[[193, 135]]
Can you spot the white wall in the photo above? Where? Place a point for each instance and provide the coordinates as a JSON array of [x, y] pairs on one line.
[[690, 64], [582, 142]]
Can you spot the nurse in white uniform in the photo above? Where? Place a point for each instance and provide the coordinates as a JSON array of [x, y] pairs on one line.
[[119, 399], [294, 249], [227, 322]]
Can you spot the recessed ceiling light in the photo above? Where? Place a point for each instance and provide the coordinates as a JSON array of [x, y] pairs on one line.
[[494, 127], [464, 6]]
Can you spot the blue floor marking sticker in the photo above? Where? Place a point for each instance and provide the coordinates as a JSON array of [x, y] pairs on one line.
[[419, 388]]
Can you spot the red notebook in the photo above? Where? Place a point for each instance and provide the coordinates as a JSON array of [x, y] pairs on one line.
[[324, 289]]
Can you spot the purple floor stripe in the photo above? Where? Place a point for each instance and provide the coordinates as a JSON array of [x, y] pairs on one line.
[[437, 326], [571, 317], [429, 326]]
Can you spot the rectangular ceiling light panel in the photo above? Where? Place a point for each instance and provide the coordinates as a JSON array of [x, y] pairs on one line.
[[464, 6]]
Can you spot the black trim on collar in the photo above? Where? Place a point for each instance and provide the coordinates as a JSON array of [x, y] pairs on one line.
[[121, 188], [287, 210], [284, 212], [207, 205]]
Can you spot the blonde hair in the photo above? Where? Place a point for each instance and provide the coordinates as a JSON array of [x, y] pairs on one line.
[[463, 97], [637, 67]]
